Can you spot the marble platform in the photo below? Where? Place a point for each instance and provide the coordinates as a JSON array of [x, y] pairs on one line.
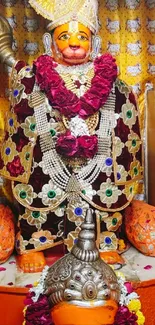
[[137, 268]]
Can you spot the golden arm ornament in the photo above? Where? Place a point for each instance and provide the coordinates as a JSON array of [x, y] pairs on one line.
[[6, 52]]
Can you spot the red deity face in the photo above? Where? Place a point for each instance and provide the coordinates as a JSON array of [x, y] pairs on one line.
[[71, 43]]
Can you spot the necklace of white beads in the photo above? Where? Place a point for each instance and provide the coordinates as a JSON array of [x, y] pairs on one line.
[[53, 162]]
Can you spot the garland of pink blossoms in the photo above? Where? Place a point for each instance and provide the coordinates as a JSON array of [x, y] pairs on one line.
[[64, 100], [70, 105]]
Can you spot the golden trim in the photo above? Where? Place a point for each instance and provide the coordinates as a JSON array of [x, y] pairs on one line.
[[13, 81], [51, 209], [115, 164], [24, 178], [41, 248], [136, 179], [86, 198], [12, 71]]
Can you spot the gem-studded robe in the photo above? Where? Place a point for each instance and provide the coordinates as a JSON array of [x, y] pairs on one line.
[[49, 215]]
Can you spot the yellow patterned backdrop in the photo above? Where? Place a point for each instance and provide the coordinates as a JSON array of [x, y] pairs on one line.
[[128, 32]]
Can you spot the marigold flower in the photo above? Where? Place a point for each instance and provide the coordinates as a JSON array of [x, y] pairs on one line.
[[141, 318], [134, 305]]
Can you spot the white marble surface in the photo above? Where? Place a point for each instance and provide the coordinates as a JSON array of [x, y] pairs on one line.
[[8, 272], [137, 268], [143, 266]]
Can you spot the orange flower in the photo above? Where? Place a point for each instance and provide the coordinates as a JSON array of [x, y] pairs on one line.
[[7, 233]]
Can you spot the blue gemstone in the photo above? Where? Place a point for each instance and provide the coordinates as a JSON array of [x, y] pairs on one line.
[[107, 240], [118, 176], [15, 93], [42, 239], [11, 122], [75, 240], [78, 211], [108, 162], [27, 69], [7, 151]]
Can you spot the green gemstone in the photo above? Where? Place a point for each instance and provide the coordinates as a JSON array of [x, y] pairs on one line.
[[130, 189], [129, 114], [51, 194], [62, 205], [23, 195], [108, 193], [53, 132], [36, 214], [27, 156], [122, 83], [33, 126], [134, 142], [114, 221], [84, 192], [135, 171]]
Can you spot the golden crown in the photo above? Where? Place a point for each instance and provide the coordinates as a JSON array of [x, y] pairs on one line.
[[60, 12]]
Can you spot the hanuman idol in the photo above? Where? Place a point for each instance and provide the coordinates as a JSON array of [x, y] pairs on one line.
[[72, 139]]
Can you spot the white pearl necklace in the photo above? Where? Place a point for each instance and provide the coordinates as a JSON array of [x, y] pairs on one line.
[[81, 69], [53, 162]]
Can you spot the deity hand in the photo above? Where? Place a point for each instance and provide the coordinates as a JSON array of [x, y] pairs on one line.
[[6, 53]]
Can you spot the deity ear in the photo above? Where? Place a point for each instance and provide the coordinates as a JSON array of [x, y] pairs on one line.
[[47, 41], [96, 46]]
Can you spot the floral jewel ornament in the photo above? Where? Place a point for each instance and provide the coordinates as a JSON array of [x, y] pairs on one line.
[[72, 238], [108, 241], [34, 218], [113, 222], [128, 114], [17, 94], [37, 309], [8, 151], [11, 123], [108, 193], [42, 237], [29, 127], [76, 211], [50, 194]]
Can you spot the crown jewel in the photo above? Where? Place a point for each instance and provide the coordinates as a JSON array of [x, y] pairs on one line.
[[59, 12], [81, 277]]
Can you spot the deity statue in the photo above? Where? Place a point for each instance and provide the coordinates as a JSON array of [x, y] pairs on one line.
[[72, 139]]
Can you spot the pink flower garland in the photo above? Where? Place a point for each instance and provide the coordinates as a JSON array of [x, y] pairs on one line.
[[68, 104], [70, 146], [125, 317], [37, 313], [64, 100]]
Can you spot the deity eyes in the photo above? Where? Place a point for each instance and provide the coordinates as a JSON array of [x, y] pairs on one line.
[[80, 37], [64, 37]]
